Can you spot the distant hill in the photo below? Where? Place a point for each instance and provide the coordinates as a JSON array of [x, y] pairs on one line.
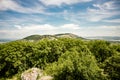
[[67, 35], [38, 37], [64, 35], [5, 40], [108, 38]]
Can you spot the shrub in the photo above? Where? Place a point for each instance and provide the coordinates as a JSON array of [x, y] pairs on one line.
[[76, 65], [112, 67]]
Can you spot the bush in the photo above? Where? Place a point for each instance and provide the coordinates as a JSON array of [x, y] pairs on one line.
[[76, 65], [112, 67], [101, 49]]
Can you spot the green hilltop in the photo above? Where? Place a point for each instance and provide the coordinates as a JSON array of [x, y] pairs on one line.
[[39, 37]]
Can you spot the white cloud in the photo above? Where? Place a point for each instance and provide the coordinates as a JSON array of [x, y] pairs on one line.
[[99, 31], [107, 5], [14, 6], [23, 31], [102, 11], [60, 2], [70, 26], [18, 26], [10, 21], [113, 21], [47, 27], [39, 27]]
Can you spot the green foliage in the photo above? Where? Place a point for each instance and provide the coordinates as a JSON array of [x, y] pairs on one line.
[[46, 51], [14, 57], [76, 65], [115, 47], [100, 49], [64, 58], [112, 67]]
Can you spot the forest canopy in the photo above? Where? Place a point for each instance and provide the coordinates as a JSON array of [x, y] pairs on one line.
[[62, 58]]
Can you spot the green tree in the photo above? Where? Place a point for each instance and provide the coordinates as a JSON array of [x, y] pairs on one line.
[[14, 57], [112, 67], [76, 64], [101, 49]]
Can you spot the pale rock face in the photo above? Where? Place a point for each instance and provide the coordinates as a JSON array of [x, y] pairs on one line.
[[34, 74], [31, 74]]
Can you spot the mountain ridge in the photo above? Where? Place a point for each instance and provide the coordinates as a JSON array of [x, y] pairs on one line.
[[55, 36]]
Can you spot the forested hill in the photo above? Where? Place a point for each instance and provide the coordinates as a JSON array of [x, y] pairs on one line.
[[64, 35]]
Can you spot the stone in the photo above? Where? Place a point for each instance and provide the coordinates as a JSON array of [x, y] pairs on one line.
[[31, 74]]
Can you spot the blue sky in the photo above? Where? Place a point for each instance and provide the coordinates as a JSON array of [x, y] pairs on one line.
[[21, 18]]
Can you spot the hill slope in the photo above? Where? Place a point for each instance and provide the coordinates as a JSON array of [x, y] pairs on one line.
[[64, 35], [38, 37]]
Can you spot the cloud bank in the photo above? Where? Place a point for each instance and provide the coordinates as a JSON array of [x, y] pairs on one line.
[[23, 31]]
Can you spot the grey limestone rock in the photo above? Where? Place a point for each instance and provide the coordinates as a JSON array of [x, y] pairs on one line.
[[34, 74], [31, 74]]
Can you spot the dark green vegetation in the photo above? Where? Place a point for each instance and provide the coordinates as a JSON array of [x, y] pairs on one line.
[[62, 58]]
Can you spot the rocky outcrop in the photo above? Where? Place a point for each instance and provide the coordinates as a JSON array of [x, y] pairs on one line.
[[34, 74], [31, 74]]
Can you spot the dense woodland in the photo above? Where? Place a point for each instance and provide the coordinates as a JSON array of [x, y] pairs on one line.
[[62, 58]]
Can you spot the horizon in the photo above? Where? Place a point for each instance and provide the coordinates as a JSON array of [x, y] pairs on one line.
[[85, 18], [87, 37]]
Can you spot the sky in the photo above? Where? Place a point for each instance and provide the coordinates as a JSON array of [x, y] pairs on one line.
[[21, 18]]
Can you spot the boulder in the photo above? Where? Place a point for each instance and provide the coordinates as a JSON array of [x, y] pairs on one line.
[[31, 74], [34, 74]]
